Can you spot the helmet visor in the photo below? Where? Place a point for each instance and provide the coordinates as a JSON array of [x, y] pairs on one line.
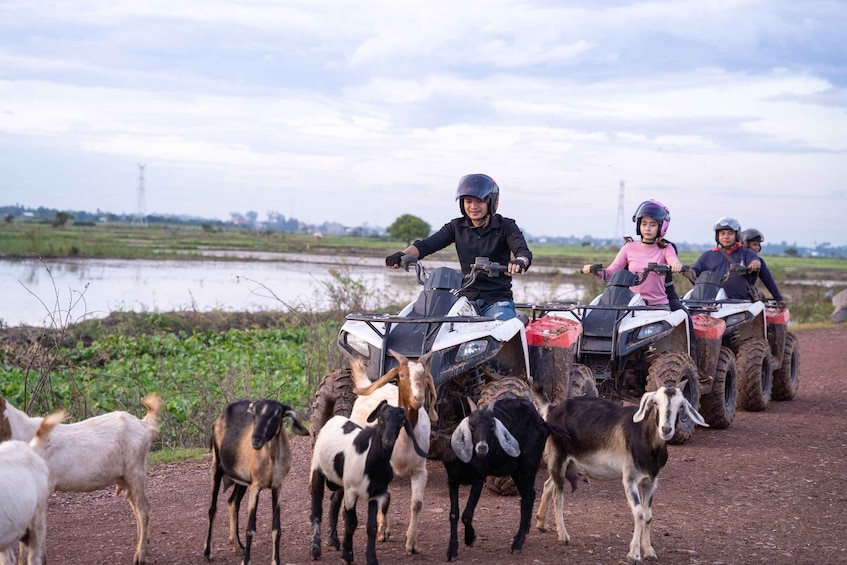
[[653, 210], [478, 186]]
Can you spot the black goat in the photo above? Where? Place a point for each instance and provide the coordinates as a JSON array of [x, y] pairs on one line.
[[504, 439]]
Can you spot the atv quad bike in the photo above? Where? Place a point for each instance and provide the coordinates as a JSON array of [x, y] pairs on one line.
[[474, 357], [627, 347], [766, 353]]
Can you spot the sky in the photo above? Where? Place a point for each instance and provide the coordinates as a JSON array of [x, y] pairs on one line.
[[360, 111]]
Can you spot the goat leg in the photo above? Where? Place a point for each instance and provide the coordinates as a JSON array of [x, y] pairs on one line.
[[373, 511], [467, 515]]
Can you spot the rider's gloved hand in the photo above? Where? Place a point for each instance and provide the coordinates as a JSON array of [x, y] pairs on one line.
[[394, 259], [519, 264], [781, 304]]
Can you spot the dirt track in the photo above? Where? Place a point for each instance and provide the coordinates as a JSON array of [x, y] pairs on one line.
[[770, 489]]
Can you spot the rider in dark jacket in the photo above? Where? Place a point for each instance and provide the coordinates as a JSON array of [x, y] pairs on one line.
[[727, 252], [752, 239], [480, 232]]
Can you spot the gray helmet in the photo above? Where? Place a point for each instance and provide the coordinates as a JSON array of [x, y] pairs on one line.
[[750, 234], [727, 223], [479, 186]]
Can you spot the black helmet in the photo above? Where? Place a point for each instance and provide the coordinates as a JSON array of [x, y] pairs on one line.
[[479, 186], [652, 209], [727, 223], [750, 234]]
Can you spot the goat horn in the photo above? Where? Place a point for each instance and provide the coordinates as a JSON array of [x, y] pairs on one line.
[[387, 377]]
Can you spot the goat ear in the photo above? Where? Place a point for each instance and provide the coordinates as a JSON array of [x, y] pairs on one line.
[[646, 404], [251, 408], [296, 426], [507, 441], [461, 441], [694, 414], [431, 399], [375, 414]]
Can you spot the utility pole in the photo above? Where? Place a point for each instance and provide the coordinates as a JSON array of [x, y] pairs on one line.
[[619, 223], [140, 217]]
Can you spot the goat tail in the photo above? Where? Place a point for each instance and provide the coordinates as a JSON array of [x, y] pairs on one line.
[[41, 441], [153, 403]]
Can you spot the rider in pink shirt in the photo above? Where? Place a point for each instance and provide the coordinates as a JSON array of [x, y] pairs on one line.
[[651, 223]]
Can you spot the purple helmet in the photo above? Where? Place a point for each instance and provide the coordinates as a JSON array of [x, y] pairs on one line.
[[652, 209], [479, 186]]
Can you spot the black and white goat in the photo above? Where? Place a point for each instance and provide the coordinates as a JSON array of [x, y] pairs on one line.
[[250, 448], [110, 449], [415, 393], [504, 439], [604, 440], [24, 490], [357, 460]]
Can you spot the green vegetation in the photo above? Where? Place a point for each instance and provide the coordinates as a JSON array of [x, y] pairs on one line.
[[408, 228]]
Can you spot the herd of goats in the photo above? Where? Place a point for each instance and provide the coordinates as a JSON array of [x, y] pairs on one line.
[[387, 433]]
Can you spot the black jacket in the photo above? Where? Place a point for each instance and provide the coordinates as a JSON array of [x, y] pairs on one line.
[[498, 241]]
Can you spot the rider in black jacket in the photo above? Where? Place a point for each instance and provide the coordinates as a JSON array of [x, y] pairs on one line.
[[480, 232]]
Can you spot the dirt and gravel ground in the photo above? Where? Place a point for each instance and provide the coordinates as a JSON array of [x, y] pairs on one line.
[[770, 489]]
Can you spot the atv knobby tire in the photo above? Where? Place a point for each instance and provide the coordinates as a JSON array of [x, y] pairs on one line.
[[718, 406], [671, 368], [333, 397], [754, 374], [786, 379], [582, 382], [507, 387]]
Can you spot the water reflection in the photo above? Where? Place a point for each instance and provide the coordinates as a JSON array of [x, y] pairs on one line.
[[41, 293]]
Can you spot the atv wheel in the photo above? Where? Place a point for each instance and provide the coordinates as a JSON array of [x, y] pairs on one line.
[[334, 397], [507, 387], [754, 374], [786, 379], [671, 368], [718, 407], [582, 382]]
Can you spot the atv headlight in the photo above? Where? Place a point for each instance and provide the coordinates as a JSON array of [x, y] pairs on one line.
[[736, 319], [359, 345], [650, 330], [471, 349]]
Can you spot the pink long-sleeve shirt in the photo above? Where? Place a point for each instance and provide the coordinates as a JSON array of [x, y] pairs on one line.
[[634, 256]]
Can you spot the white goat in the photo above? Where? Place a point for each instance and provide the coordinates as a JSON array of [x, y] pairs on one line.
[[413, 391], [604, 440], [250, 448], [24, 490], [110, 449]]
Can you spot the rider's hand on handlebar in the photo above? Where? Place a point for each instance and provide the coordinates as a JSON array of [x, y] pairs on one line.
[[394, 260], [676, 267], [755, 265], [516, 266]]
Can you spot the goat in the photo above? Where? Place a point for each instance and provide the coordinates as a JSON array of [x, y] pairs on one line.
[[110, 449], [413, 392], [603, 440], [357, 460], [24, 490], [504, 439], [250, 447]]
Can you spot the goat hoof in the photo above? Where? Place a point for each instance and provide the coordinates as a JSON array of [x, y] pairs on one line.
[[411, 550]]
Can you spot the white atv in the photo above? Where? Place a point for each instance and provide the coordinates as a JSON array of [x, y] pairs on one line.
[[627, 346], [473, 356], [752, 346]]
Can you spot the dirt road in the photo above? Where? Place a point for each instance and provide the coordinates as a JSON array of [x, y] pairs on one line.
[[770, 489]]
